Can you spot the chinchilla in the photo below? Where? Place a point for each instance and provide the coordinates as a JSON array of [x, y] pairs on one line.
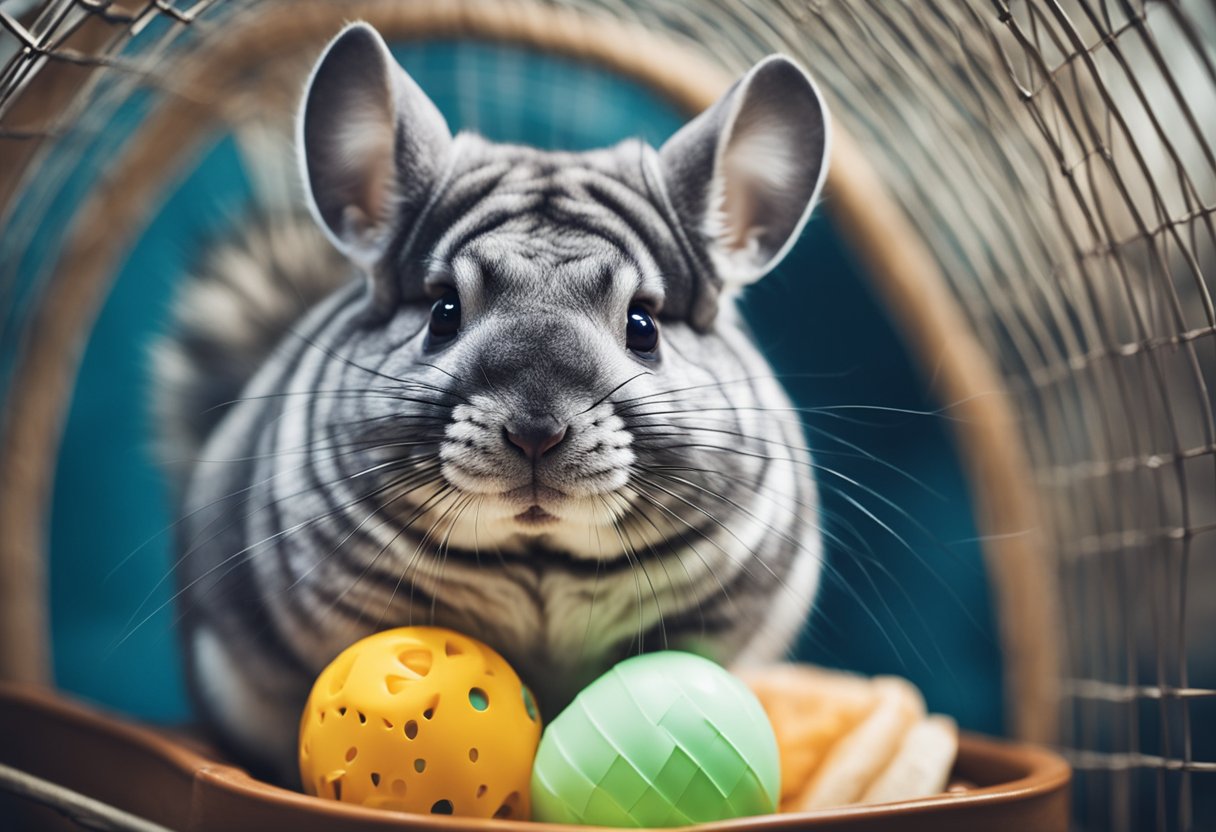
[[501, 389]]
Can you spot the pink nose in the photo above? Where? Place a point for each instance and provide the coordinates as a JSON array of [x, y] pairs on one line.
[[535, 439]]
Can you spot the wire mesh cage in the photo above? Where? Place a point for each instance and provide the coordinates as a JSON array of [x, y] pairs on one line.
[[1054, 159]]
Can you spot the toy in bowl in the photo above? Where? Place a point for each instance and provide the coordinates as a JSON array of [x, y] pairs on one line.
[[846, 739], [421, 719], [663, 739]]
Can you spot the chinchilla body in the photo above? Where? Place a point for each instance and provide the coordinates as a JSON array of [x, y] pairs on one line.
[[494, 389]]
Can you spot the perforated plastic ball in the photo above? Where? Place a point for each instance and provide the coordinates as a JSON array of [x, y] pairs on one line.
[[421, 719], [663, 739]]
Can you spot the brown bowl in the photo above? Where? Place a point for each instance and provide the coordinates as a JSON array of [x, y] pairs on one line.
[[61, 760]]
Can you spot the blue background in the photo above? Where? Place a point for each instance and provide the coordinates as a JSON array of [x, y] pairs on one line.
[[905, 590]]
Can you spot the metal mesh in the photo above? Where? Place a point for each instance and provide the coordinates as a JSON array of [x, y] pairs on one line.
[[1055, 156]]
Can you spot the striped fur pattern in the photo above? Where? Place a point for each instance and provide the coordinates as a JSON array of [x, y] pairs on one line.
[[365, 478]]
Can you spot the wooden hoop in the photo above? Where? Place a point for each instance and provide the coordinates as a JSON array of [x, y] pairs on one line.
[[902, 269]]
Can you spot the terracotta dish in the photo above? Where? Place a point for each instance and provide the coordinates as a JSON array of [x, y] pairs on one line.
[[61, 760]]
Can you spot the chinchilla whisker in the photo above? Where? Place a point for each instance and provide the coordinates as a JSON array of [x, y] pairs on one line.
[[604, 397], [781, 416], [442, 550], [697, 601], [830, 570], [936, 542], [646, 573], [439, 369], [703, 446], [941, 581], [902, 411], [807, 463], [611, 515], [413, 473], [747, 482], [859, 452], [825, 532], [476, 527], [862, 453], [438, 556], [419, 512], [714, 385], [427, 420], [595, 586], [392, 498], [225, 562], [636, 512], [345, 448], [424, 385], [350, 363], [827, 411], [390, 462], [497, 550], [639, 478], [899, 538], [414, 466], [183, 518], [641, 635], [369, 394], [660, 470], [942, 410], [415, 558], [415, 476], [870, 559], [929, 535], [861, 557], [700, 510], [643, 495]]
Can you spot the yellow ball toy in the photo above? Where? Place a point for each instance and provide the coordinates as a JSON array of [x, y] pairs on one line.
[[421, 719]]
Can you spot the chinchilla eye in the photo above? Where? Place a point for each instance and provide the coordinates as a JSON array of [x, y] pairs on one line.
[[445, 319], [641, 332]]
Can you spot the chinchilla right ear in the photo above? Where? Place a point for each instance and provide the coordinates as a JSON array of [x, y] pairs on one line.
[[371, 144]]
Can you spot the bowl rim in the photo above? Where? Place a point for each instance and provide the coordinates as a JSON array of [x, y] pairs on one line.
[[211, 787]]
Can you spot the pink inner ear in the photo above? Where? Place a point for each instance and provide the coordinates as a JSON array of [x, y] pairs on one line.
[[364, 151], [373, 196], [757, 168], [738, 213]]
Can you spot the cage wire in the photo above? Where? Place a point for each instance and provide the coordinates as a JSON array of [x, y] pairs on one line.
[[1057, 159]]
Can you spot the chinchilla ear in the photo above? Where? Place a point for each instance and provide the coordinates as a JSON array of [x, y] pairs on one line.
[[371, 144], [744, 175]]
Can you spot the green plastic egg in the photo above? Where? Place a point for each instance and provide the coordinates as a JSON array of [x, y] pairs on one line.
[[662, 739]]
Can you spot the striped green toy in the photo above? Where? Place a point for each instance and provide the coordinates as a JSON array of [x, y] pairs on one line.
[[662, 739]]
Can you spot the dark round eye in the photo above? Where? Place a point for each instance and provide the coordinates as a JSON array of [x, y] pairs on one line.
[[445, 317], [641, 332]]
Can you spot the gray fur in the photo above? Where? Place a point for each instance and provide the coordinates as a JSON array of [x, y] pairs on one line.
[[245, 296], [364, 482]]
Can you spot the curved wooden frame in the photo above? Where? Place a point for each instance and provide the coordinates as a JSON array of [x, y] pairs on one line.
[[903, 271]]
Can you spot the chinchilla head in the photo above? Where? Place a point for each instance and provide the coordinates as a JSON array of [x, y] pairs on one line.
[[551, 332]]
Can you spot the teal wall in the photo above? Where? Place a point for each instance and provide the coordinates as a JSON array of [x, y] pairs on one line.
[[905, 591]]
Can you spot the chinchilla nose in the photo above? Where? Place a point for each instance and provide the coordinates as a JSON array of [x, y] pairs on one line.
[[535, 435]]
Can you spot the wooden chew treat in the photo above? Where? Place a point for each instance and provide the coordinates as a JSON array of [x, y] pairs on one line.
[[844, 739], [922, 764], [810, 710], [857, 759]]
